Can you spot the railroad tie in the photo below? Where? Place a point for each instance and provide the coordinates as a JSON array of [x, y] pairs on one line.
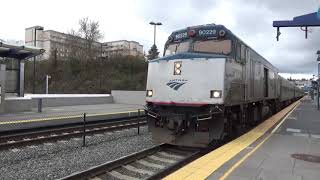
[[170, 155], [156, 158], [95, 178], [122, 176], [140, 171], [149, 164]]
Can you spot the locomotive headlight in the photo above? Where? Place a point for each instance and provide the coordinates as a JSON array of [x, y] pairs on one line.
[[215, 94], [177, 68], [149, 93], [177, 71]]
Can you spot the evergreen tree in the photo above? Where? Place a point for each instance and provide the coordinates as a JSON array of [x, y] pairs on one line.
[[153, 52]]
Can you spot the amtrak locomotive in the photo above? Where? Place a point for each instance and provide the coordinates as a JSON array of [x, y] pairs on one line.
[[208, 85]]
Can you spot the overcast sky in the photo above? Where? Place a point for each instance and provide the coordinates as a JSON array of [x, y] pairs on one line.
[[251, 20]]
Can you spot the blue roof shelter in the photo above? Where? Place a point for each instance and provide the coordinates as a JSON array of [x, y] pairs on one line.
[[308, 20]]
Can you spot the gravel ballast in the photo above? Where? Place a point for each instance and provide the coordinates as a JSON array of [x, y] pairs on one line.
[[58, 159]]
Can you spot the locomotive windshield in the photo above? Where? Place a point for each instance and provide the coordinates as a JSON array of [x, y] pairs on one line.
[[207, 46], [215, 39], [213, 46], [177, 47]]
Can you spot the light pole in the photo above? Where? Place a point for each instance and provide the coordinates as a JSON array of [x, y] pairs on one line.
[[34, 58], [318, 80], [47, 83], [155, 25]]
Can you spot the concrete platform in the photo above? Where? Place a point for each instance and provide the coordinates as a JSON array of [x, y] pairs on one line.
[[60, 115], [265, 153]]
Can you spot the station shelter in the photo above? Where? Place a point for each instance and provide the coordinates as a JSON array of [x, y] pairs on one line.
[[12, 60]]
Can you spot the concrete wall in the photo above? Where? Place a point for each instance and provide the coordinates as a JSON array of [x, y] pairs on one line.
[[3, 87], [71, 101], [17, 104], [129, 97], [20, 104]]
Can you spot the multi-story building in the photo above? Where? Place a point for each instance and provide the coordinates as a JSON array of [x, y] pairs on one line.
[[122, 48], [59, 43]]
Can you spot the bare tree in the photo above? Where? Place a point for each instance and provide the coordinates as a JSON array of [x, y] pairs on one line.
[[82, 44]]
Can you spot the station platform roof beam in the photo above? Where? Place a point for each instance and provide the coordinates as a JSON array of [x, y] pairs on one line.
[[308, 20], [19, 52]]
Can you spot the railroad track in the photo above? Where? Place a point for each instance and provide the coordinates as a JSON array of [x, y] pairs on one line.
[[153, 163], [59, 133]]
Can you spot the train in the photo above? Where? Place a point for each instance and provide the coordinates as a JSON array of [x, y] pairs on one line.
[[209, 85]]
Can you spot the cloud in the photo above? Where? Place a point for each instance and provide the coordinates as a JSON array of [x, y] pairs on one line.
[[250, 20]]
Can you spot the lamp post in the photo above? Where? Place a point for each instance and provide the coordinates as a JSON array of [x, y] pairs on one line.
[[34, 58], [155, 25], [318, 80]]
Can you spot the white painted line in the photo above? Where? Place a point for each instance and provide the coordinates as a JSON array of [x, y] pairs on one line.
[[161, 159], [317, 136], [300, 134], [149, 164], [96, 128], [9, 142], [53, 135], [26, 139], [292, 117], [293, 130], [249, 147], [121, 176], [56, 109], [40, 137], [140, 171], [15, 150], [65, 133], [76, 131], [171, 155]]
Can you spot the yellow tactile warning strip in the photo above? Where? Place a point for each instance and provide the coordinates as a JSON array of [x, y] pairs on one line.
[[209, 163], [64, 117]]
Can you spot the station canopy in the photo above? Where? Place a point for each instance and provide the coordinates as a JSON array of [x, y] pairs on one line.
[[19, 52], [312, 19], [308, 20]]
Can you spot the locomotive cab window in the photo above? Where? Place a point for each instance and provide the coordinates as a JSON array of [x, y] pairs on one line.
[[213, 46], [177, 47]]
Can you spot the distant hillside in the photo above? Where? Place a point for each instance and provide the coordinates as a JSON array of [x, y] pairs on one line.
[[94, 76]]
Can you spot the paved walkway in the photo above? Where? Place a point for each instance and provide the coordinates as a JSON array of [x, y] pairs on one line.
[[299, 134]]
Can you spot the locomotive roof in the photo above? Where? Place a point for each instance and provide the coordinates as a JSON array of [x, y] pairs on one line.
[[229, 34]]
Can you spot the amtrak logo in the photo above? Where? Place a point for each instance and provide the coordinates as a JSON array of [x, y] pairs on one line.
[[176, 83]]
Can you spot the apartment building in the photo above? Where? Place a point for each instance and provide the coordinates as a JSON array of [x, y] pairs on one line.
[[59, 44]]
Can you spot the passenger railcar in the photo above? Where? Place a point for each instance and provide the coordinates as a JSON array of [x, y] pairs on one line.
[[208, 85]]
